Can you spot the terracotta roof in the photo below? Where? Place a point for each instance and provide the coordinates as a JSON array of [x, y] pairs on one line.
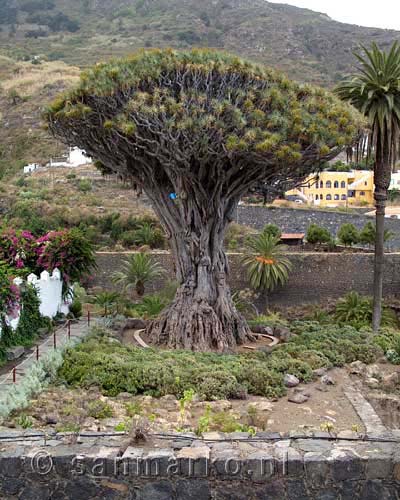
[[293, 236]]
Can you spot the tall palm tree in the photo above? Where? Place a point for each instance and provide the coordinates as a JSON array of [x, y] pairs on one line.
[[138, 270], [375, 91], [267, 266]]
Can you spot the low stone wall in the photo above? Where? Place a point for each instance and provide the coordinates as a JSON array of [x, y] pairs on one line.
[[235, 467], [292, 220], [316, 277]]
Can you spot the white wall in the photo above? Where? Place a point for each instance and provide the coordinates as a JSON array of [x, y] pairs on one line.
[[77, 157], [49, 289]]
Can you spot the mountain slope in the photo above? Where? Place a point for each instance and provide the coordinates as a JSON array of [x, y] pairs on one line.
[[309, 46], [25, 89]]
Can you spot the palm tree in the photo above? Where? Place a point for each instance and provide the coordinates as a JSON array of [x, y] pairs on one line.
[[106, 300], [375, 91], [138, 270], [267, 266]]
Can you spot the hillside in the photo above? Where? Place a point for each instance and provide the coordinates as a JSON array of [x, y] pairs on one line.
[[308, 45], [43, 43], [25, 88]]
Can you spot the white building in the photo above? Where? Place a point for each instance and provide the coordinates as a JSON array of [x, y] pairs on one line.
[[28, 169], [75, 158], [395, 181]]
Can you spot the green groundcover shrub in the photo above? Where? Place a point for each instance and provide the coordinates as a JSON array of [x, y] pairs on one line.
[[115, 368]]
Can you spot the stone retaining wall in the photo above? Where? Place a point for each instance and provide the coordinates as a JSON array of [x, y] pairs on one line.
[[267, 466], [292, 220], [316, 277]]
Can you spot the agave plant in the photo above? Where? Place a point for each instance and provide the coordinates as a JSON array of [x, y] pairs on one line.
[[137, 271], [267, 266]]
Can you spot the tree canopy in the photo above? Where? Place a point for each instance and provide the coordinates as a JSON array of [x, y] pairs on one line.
[[201, 112]]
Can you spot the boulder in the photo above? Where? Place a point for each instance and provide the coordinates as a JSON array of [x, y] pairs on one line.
[[15, 353], [282, 333], [319, 372], [51, 420], [265, 330], [373, 383], [391, 381], [373, 371], [327, 380], [298, 398], [134, 324], [357, 368], [261, 406], [290, 380]]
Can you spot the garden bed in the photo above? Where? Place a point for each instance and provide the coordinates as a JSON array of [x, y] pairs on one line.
[[106, 385]]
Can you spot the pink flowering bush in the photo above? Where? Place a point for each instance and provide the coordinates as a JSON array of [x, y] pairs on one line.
[[9, 293], [67, 250]]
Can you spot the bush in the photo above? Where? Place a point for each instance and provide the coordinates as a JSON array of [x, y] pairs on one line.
[[76, 308], [115, 368], [348, 234], [99, 409], [356, 310], [84, 185], [318, 235], [272, 230]]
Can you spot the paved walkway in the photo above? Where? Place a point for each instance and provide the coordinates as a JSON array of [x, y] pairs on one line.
[[62, 336]]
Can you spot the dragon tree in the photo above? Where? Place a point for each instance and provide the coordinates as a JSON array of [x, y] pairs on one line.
[[208, 127]]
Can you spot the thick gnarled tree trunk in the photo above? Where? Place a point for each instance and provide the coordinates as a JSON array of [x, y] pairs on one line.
[[202, 316]]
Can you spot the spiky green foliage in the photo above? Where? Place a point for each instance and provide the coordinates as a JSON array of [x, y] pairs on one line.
[[236, 110], [107, 301], [267, 266], [375, 92], [137, 271], [356, 310]]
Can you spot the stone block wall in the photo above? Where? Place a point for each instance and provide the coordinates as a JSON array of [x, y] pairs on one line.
[[219, 467], [316, 277]]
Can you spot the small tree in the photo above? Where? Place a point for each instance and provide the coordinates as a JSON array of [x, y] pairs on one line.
[[368, 234], [266, 264], [137, 271], [273, 230], [316, 235], [348, 234], [107, 301], [208, 127]]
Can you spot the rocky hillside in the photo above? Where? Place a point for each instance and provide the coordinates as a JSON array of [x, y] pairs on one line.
[[308, 45]]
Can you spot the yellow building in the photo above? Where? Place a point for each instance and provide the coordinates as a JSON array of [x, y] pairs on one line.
[[333, 189]]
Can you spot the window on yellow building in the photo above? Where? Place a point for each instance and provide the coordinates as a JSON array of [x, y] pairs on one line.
[[322, 197], [328, 197], [328, 184], [316, 197], [362, 193], [336, 197], [336, 185], [344, 197], [321, 184], [343, 185]]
